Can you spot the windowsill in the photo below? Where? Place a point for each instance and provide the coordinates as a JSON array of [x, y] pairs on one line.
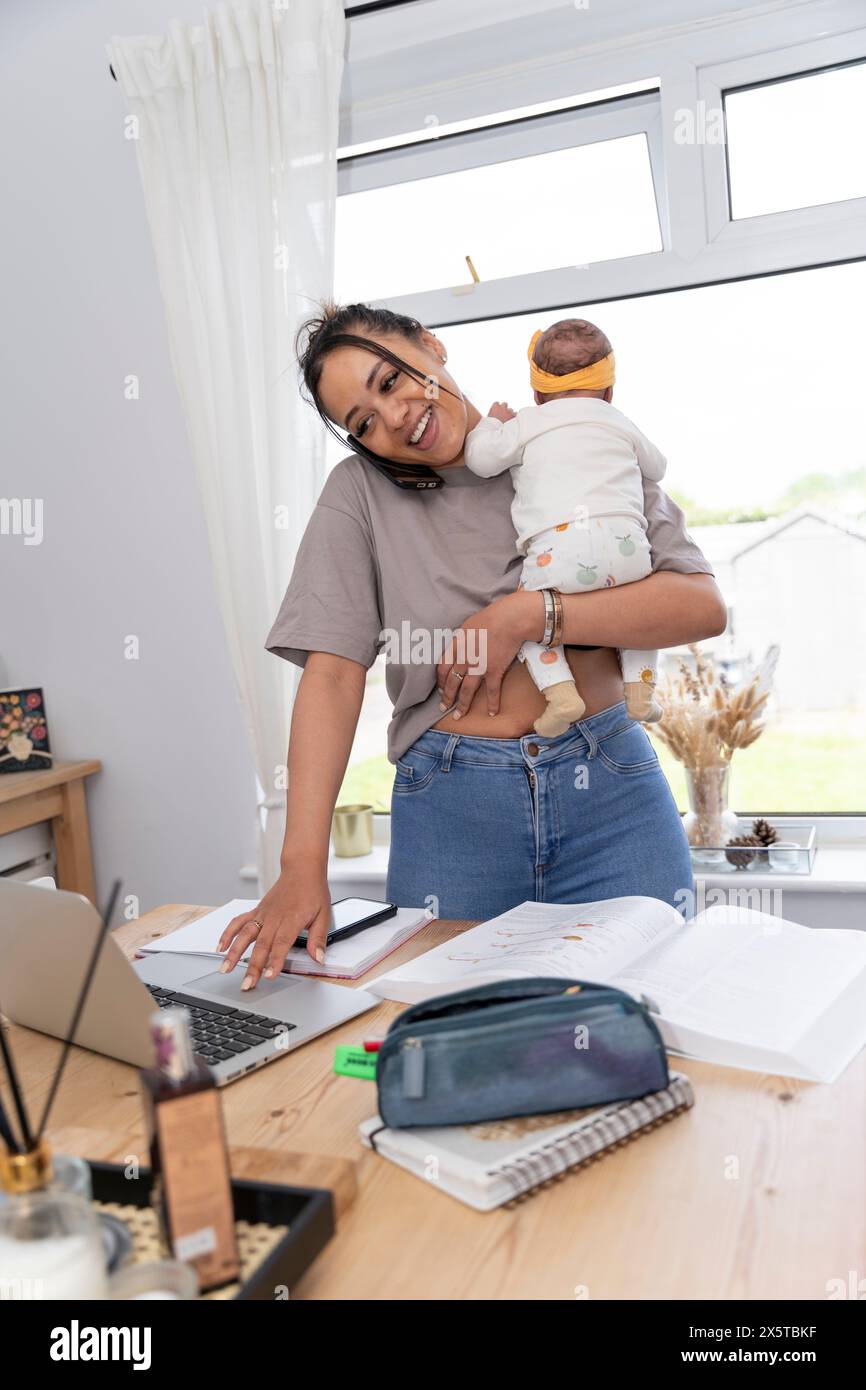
[[839, 868], [363, 868]]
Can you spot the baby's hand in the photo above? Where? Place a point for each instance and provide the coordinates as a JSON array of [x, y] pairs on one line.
[[500, 410]]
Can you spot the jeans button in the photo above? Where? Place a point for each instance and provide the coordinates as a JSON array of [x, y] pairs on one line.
[[532, 750]]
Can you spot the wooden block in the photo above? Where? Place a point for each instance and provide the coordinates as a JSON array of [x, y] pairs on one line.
[[338, 1175]]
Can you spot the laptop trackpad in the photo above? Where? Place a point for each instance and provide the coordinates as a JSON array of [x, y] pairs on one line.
[[226, 989]]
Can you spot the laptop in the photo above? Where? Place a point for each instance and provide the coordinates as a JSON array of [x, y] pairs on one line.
[[46, 942]]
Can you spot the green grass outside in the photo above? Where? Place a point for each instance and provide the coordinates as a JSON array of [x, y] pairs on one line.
[[812, 765]]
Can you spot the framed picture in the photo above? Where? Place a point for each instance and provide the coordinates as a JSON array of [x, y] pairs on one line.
[[23, 731]]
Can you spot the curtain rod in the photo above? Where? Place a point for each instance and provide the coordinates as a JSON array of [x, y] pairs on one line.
[[369, 7]]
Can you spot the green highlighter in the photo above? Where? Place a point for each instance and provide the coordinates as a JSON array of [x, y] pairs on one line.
[[354, 1061]]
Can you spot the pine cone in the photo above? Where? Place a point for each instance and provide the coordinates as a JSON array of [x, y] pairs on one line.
[[764, 831], [741, 858]]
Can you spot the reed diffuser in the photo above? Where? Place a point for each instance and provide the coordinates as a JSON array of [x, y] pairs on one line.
[[706, 720]]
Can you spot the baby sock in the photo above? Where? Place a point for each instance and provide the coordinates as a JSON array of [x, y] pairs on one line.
[[564, 706], [641, 703]]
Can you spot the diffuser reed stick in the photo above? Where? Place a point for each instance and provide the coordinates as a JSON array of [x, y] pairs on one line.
[[6, 1132], [17, 1093]]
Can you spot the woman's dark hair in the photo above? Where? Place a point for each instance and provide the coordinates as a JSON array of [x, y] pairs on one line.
[[319, 336]]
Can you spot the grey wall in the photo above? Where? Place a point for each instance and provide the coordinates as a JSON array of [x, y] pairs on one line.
[[124, 549]]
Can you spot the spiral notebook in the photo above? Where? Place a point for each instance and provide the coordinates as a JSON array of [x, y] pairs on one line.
[[489, 1165]]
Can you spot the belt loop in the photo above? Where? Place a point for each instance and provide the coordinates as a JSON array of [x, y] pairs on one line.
[[449, 750], [590, 738]]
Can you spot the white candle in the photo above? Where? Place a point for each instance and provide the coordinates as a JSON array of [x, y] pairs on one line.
[[56, 1267]]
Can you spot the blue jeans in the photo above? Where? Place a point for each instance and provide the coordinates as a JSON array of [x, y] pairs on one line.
[[481, 824]]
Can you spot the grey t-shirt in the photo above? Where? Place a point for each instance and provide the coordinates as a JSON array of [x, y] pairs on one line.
[[380, 566]]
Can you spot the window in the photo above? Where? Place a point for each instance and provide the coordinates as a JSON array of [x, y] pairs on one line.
[[797, 142], [767, 462], [571, 188], [575, 206]]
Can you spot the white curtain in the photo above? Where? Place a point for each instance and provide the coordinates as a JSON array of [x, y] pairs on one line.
[[235, 125]]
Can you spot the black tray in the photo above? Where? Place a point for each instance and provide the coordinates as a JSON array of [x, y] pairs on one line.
[[307, 1211]]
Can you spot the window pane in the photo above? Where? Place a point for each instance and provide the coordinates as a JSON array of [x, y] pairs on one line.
[[567, 207], [369, 775], [797, 143]]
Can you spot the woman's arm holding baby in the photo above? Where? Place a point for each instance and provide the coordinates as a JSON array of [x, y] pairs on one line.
[[663, 610]]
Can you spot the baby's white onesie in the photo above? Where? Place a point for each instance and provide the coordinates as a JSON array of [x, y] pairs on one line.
[[576, 464]]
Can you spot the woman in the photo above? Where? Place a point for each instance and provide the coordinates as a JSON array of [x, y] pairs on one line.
[[404, 545]]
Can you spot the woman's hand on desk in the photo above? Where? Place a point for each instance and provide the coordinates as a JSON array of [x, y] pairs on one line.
[[492, 638], [299, 901]]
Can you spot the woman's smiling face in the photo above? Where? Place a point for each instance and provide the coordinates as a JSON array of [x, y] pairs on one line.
[[394, 414]]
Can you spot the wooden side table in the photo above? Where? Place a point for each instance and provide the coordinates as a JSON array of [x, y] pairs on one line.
[[56, 795]]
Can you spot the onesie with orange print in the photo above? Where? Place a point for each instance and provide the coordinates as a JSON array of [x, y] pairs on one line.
[[577, 465]]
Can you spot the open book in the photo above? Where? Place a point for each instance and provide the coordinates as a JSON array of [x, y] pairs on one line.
[[344, 960], [734, 986]]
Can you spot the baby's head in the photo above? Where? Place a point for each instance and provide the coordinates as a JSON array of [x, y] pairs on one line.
[[569, 346]]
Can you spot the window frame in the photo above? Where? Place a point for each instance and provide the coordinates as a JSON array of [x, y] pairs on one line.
[[841, 221], [689, 65], [521, 138], [575, 127]]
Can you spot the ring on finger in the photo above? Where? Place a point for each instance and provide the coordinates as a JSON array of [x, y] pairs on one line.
[[254, 922]]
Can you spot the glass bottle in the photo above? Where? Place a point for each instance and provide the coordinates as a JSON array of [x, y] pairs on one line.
[[189, 1156]]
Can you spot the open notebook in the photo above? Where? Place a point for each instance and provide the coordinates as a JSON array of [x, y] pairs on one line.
[[487, 1165], [344, 960], [733, 986]]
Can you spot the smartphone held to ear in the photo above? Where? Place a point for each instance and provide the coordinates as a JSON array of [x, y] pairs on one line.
[[351, 915]]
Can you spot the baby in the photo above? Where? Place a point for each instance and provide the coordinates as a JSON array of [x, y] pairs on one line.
[[576, 464]]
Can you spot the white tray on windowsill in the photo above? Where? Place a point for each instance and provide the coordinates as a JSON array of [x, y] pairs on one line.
[[794, 858]]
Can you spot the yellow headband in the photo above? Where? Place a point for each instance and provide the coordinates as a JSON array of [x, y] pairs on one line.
[[596, 377]]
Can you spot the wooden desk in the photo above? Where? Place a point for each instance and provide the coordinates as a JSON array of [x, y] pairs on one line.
[[756, 1193], [56, 795]]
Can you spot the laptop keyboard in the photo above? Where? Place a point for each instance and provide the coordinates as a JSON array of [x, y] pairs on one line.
[[218, 1031]]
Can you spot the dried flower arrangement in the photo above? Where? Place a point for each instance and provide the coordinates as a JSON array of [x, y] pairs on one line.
[[706, 720]]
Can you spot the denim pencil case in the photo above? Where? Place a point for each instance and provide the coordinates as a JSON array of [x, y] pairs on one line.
[[519, 1047]]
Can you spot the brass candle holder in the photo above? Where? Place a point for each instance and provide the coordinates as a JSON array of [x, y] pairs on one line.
[[353, 831]]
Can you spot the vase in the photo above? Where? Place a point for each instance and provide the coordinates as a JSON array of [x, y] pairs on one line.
[[708, 823]]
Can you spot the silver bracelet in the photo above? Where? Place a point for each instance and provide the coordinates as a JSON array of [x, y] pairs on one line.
[[549, 617]]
